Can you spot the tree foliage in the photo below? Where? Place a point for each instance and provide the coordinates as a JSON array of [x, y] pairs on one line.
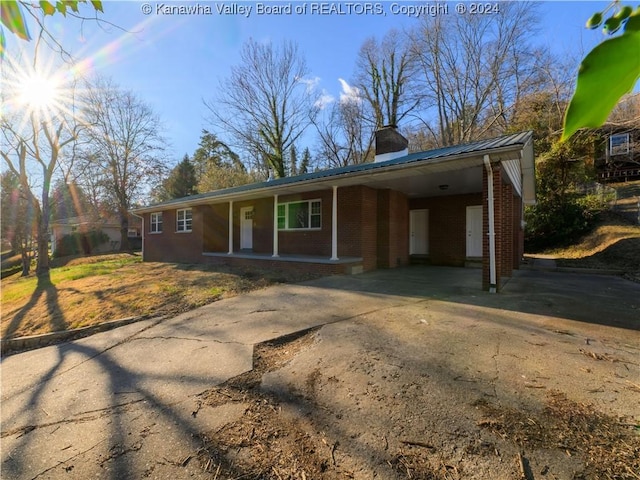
[[14, 16], [70, 200], [217, 165], [562, 213], [181, 182], [608, 72]]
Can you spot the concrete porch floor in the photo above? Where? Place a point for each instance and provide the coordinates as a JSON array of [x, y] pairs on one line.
[[285, 257]]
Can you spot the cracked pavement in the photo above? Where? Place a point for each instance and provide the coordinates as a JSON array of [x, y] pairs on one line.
[[121, 404]]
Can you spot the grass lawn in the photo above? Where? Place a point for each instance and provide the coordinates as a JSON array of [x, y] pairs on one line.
[[84, 291]]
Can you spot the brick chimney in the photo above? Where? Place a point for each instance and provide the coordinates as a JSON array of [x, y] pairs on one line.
[[390, 144]]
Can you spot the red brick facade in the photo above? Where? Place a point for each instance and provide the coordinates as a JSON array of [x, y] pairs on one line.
[[447, 226], [373, 228], [509, 237]]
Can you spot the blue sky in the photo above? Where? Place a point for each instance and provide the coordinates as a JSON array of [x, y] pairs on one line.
[[174, 62]]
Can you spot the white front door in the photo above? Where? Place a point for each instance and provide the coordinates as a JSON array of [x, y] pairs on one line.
[[474, 231], [419, 232], [246, 228]]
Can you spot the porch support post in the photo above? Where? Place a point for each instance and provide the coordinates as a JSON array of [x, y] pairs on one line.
[[275, 226], [334, 224], [493, 283], [230, 227]]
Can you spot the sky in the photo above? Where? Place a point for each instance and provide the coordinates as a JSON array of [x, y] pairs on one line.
[[174, 62]]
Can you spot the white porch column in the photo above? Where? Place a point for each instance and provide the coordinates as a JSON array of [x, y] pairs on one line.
[[334, 224], [275, 226], [230, 227]]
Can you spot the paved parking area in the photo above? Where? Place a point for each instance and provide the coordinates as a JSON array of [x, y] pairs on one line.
[[71, 410]]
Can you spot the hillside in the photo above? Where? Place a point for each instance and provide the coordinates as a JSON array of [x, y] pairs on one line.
[[614, 243]]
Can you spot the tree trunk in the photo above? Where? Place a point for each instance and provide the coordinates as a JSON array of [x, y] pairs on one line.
[[124, 233], [43, 247]]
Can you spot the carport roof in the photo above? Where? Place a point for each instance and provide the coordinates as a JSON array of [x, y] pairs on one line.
[[455, 158]]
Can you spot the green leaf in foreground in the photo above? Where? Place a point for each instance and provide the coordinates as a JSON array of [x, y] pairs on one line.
[[97, 4], [47, 8], [608, 72], [12, 18]]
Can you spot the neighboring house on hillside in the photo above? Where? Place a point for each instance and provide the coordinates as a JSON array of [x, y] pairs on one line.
[[85, 224], [446, 206], [617, 159]]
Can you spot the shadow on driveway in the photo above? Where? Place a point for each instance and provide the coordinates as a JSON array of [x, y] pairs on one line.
[[594, 299]]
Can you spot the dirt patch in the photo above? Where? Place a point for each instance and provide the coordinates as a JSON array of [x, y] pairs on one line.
[[388, 416], [266, 443]]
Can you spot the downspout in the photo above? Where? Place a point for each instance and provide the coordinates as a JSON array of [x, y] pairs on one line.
[[141, 218], [492, 229]]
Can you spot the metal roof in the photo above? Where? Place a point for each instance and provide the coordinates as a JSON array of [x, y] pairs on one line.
[[494, 145]]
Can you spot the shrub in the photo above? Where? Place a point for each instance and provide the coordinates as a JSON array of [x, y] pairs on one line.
[[560, 221], [77, 242]]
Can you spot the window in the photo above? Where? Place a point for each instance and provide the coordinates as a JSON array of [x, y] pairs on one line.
[[156, 223], [305, 215], [183, 220]]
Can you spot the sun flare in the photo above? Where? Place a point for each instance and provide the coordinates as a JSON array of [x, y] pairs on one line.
[[39, 93]]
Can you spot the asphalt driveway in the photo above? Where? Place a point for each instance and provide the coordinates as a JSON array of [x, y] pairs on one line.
[[120, 404]]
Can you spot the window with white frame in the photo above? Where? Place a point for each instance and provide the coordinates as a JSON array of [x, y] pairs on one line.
[[155, 224], [305, 215], [183, 220]]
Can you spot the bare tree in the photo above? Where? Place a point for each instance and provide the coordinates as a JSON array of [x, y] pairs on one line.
[[345, 137], [473, 68], [385, 76], [126, 148], [39, 126], [18, 223], [266, 104]]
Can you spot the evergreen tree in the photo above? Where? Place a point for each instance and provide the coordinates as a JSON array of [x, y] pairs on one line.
[[293, 161], [217, 166], [182, 181], [306, 162]]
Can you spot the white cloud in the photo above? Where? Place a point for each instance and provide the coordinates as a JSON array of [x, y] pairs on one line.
[[349, 93], [310, 83], [324, 100]]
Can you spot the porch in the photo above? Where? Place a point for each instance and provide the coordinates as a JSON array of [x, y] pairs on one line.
[[320, 264]]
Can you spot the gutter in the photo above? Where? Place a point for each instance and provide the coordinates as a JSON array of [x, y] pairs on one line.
[[492, 230]]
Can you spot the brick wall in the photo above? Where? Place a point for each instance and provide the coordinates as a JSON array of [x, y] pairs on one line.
[[518, 232], [172, 246], [215, 228], [393, 229], [508, 232], [358, 225], [447, 226]]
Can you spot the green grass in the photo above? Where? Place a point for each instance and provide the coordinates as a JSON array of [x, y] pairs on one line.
[[20, 287], [76, 272]]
